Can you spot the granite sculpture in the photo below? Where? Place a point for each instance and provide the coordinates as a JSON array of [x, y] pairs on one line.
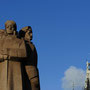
[[18, 60]]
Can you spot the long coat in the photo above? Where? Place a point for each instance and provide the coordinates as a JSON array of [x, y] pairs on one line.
[[30, 68], [12, 53]]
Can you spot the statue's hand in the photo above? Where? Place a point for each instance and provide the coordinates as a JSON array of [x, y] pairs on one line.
[[6, 57], [1, 57]]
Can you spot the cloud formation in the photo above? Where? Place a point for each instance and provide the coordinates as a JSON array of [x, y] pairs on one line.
[[73, 77]]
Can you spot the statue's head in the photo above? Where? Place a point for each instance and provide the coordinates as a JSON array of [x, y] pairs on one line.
[[26, 33], [10, 27]]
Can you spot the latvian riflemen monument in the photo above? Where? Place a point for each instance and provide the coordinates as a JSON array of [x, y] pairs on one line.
[[18, 59]]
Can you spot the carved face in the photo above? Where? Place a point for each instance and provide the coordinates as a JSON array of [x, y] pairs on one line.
[[28, 35], [10, 28]]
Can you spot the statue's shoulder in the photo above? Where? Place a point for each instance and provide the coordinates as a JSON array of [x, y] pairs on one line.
[[14, 38], [20, 41], [2, 33], [32, 46]]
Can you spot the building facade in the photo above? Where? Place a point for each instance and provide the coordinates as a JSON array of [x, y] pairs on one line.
[[87, 81]]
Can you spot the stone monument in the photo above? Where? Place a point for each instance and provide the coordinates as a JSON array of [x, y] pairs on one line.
[[18, 59], [31, 64]]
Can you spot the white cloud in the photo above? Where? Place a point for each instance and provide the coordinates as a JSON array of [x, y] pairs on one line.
[[74, 76]]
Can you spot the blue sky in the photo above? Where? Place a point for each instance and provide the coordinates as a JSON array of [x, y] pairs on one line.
[[61, 30]]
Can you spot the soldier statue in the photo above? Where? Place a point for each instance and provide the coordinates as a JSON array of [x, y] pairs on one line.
[[18, 59], [12, 54], [31, 64]]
